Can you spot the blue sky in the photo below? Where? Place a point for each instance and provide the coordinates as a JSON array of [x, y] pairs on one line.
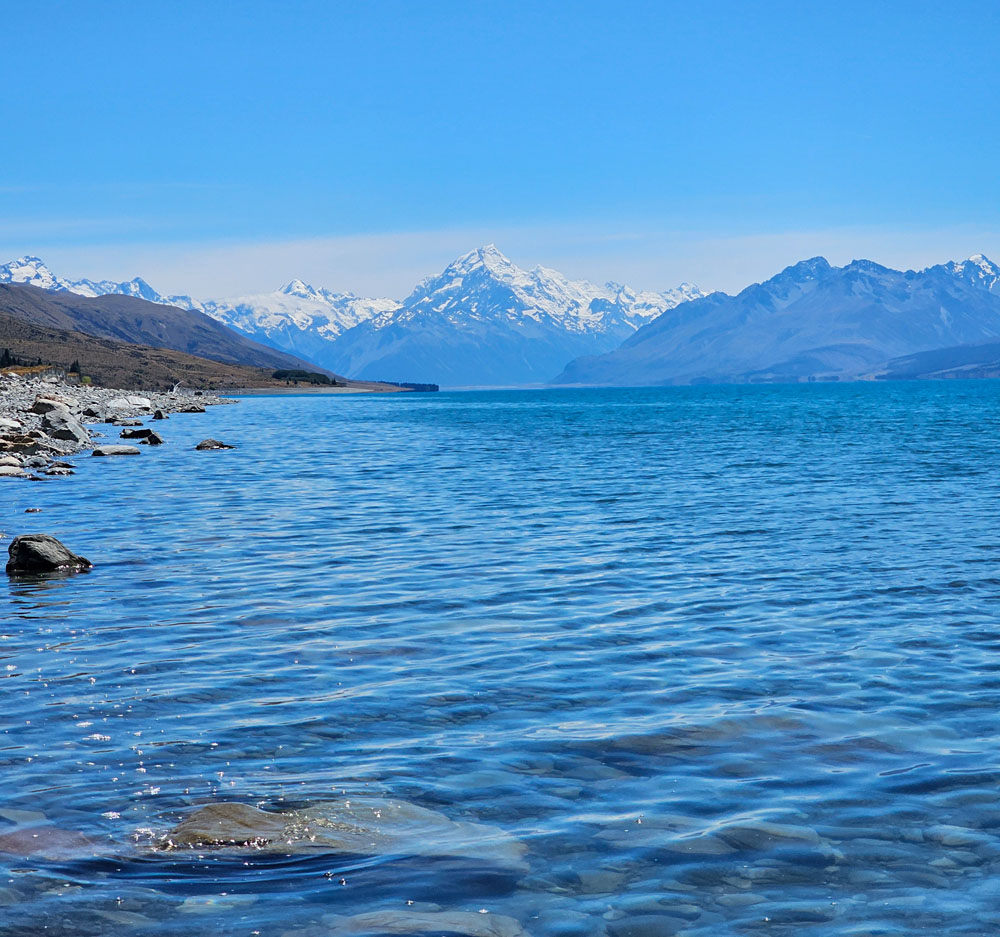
[[222, 147]]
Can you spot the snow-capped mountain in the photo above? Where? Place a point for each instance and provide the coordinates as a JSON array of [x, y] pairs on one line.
[[977, 270], [486, 321], [482, 321], [33, 272], [812, 320], [297, 318]]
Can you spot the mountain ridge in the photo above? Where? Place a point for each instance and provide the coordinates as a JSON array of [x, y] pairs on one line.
[[810, 320], [530, 322]]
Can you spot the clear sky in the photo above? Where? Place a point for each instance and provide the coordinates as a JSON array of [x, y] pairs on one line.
[[217, 147]]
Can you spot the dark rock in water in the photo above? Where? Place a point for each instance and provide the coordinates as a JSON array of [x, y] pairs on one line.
[[59, 471], [116, 450], [40, 553], [32, 510], [159, 415], [153, 439], [192, 408], [35, 461], [135, 433], [213, 444]]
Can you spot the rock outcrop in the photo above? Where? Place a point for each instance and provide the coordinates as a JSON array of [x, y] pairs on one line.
[[41, 553]]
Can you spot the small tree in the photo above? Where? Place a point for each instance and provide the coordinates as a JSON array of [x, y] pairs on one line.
[[74, 368]]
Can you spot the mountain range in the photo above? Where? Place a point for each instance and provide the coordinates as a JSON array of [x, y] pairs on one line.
[[486, 321], [811, 321], [482, 321]]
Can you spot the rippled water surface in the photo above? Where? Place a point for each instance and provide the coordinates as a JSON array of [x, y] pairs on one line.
[[724, 660]]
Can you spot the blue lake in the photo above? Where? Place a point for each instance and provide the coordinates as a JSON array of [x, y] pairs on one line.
[[722, 661]]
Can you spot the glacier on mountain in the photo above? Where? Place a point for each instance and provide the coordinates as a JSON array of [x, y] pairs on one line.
[[484, 320]]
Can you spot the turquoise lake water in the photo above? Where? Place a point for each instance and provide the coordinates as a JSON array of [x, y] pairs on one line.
[[723, 660]]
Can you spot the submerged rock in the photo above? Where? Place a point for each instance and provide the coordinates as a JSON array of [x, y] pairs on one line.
[[40, 553], [228, 824], [213, 444], [116, 450], [47, 842], [762, 835], [360, 826], [464, 923]]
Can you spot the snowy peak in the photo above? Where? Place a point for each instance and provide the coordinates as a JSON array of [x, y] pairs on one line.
[[488, 258], [33, 272], [300, 289], [978, 269], [485, 285]]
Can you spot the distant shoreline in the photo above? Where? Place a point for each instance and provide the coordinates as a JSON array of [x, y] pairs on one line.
[[312, 389]]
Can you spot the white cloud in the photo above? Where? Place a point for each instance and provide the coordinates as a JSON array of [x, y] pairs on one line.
[[390, 264]]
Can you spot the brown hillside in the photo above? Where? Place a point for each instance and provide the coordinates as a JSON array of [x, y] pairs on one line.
[[136, 321], [120, 364]]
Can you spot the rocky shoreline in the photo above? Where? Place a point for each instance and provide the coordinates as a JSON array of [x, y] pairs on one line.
[[44, 421]]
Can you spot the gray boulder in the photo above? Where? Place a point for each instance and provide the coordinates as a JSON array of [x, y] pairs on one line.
[[153, 439], [40, 553], [60, 425], [139, 433], [159, 415], [48, 404], [116, 450]]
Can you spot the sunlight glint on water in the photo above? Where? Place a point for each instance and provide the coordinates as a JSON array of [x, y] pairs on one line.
[[724, 659]]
